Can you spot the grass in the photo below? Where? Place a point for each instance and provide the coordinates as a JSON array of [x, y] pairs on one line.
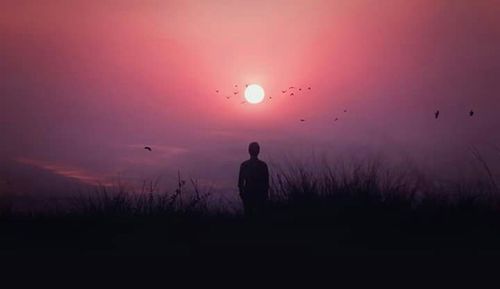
[[357, 209]]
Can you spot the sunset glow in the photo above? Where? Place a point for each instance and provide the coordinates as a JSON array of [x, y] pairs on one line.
[[86, 85]]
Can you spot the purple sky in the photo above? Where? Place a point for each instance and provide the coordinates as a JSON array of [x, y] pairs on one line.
[[84, 85]]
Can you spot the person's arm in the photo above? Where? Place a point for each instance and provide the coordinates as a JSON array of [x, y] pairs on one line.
[[241, 179]]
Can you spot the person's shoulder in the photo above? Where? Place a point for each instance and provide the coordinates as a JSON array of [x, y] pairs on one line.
[[253, 162]]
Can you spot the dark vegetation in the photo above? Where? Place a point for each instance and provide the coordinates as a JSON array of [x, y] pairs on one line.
[[355, 210]]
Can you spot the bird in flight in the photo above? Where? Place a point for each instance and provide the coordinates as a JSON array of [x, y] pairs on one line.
[[336, 119], [436, 114], [300, 89], [148, 148], [471, 113], [235, 93], [291, 87], [292, 94], [283, 91], [309, 88], [302, 120], [217, 91], [243, 102], [228, 97], [345, 110]]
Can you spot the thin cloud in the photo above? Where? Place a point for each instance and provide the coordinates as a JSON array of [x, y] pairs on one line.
[[70, 172]]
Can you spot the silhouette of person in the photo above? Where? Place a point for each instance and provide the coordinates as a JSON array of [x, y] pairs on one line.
[[253, 182]]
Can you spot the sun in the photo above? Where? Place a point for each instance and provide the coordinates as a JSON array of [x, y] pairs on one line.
[[254, 94]]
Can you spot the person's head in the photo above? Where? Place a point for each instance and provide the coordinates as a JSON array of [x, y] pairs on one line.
[[254, 149]]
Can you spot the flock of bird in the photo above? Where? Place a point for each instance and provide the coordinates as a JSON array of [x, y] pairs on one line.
[[293, 89], [291, 92], [438, 113], [235, 92]]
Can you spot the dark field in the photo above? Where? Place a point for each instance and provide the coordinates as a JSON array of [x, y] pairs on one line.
[[363, 210]]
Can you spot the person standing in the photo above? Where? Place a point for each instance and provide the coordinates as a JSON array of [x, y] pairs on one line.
[[253, 182]]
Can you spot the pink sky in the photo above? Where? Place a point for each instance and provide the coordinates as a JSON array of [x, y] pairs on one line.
[[84, 85]]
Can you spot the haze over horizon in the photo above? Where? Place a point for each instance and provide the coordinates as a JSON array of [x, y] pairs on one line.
[[85, 85]]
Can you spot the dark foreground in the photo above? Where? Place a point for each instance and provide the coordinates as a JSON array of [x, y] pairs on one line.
[[347, 231], [365, 211]]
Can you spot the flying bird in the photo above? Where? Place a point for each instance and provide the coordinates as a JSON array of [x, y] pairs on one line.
[[436, 114], [345, 110], [283, 91], [243, 102], [291, 87], [471, 113], [235, 93], [217, 91], [246, 85], [336, 119], [302, 120], [148, 148], [292, 94], [300, 89], [309, 88], [228, 97]]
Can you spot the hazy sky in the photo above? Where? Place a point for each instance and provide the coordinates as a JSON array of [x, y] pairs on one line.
[[85, 84]]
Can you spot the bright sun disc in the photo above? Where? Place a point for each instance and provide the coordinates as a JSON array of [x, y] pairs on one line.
[[254, 94]]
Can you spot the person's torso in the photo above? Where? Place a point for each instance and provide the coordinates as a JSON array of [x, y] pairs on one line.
[[255, 175]]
